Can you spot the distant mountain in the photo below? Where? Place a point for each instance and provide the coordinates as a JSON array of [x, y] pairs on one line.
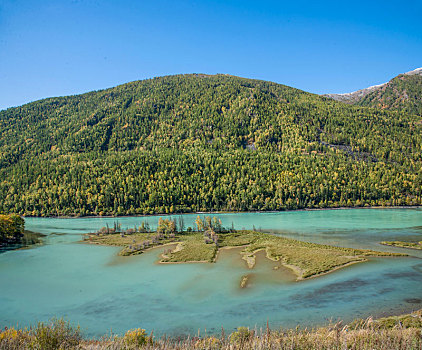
[[355, 96], [199, 142], [403, 92]]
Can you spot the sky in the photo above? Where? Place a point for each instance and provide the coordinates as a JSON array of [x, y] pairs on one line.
[[64, 47]]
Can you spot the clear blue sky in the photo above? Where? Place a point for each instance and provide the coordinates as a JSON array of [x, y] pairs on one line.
[[61, 47]]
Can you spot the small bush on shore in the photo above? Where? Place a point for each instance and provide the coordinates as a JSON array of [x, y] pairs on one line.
[[58, 334], [136, 338], [242, 335]]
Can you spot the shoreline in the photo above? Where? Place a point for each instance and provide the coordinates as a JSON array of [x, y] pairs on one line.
[[220, 212]]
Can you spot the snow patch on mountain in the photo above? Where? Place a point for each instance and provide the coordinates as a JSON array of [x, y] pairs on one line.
[[417, 71]]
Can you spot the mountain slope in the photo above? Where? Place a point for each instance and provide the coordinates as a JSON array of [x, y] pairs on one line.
[[199, 142], [403, 92]]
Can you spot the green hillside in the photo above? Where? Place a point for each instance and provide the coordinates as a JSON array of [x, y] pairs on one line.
[[404, 93], [198, 142]]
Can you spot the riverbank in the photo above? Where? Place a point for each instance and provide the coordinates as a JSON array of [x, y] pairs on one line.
[[398, 332]]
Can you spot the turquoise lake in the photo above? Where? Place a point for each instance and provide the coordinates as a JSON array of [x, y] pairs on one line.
[[93, 287]]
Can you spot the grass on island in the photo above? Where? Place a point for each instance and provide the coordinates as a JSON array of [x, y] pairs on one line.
[[398, 333], [401, 244], [192, 249], [305, 259]]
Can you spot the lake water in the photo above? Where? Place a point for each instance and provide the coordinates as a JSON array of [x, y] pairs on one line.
[[89, 285]]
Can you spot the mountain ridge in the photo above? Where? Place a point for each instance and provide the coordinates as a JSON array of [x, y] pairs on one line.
[[373, 96]]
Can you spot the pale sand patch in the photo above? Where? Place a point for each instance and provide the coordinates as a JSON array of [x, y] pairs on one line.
[[250, 258]]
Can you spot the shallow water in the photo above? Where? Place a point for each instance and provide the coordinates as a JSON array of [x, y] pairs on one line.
[[90, 285]]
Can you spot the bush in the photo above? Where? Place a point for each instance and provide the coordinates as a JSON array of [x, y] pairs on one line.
[[59, 334], [242, 335], [136, 337]]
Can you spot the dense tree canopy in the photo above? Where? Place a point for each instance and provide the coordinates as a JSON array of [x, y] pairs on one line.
[[197, 142]]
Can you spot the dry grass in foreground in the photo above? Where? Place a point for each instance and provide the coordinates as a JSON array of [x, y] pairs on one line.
[[392, 333]]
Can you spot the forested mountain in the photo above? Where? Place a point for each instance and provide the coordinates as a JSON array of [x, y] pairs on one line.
[[403, 93], [199, 142]]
